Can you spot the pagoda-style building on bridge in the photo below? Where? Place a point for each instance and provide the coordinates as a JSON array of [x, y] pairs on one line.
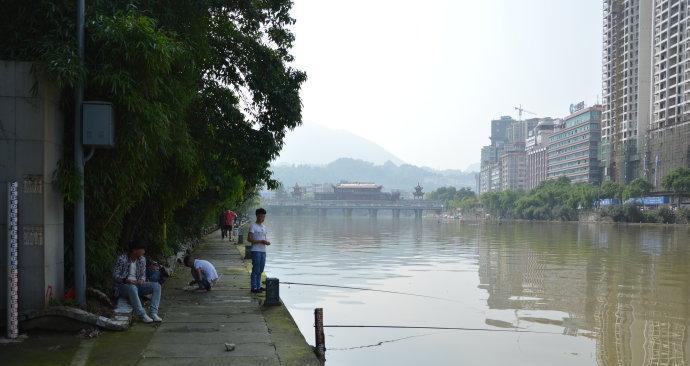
[[418, 193]]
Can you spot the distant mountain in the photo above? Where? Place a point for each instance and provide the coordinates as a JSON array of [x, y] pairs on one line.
[[317, 145], [391, 176], [476, 167]]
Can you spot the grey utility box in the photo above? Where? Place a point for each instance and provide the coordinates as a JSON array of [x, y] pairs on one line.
[[99, 124]]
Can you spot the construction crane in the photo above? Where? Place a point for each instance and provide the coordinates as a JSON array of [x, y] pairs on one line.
[[521, 110]]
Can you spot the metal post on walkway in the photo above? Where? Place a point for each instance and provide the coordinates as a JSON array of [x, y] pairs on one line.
[[319, 336], [272, 292], [12, 261], [79, 221]]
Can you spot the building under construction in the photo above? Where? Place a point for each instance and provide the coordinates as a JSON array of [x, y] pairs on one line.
[[669, 148], [645, 128], [668, 140], [626, 87]]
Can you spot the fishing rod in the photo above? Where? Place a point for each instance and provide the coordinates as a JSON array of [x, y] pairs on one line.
[[368, 289]]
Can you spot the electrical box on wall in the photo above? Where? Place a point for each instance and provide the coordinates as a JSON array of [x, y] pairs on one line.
[[99, 124]]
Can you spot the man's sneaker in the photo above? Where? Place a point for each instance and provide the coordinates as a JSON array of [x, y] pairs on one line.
[[146, 319], [156, 318], [261, 290]]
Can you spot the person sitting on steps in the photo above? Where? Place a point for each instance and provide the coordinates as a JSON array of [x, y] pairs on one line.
[[129, 274]]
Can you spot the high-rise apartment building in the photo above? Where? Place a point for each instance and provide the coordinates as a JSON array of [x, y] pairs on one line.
[[627, 58], [512, 164], [490, 176], [669, 131], [504, 162], [499, 130]]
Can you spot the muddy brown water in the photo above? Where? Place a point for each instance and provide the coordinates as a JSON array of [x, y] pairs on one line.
[[535, 293]]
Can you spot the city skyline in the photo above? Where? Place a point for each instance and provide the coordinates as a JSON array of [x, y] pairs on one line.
[[641, 131]]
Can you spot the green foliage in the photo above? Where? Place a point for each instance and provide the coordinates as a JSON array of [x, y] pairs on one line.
[[677, 180], [501, 204], [449, 194], [551, 200], [466, 204], [637, 188], [203, 96], [666, 215], [649, 217], [683, 216], [624, 213], [561, 200], [611, 189], [68, 181], [632, 213]]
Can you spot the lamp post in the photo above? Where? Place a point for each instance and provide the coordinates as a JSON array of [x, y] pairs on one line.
[[79, 234]]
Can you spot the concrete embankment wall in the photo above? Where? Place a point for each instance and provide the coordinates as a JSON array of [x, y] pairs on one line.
[[31, 139]]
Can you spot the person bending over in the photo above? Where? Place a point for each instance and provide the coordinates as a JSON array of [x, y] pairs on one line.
[[204, 273]]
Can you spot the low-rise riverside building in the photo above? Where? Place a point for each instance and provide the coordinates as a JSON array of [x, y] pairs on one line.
[[573, 147]]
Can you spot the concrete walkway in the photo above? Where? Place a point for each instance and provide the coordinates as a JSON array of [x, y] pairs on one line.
[[195, 329], [196, 326]]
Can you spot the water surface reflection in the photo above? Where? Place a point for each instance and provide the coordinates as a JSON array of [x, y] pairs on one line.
[[597, 294]]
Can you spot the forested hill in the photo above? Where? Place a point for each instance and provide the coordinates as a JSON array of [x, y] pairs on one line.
[[300, 147], [391, 176]]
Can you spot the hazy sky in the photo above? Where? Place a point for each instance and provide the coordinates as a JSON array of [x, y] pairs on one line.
[[424, 78]]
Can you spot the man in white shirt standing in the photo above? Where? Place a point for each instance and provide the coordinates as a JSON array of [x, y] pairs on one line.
[[258, 237]]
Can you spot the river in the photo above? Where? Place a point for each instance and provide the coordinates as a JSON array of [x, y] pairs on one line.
[[523, 293]]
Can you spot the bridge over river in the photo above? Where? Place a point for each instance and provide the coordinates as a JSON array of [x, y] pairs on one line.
[[347, 206]]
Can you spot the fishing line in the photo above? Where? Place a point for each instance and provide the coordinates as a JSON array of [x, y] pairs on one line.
[[442, 328], [369, 289], [382, 342], [412, 327]]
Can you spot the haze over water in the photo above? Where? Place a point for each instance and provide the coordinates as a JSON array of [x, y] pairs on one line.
[[578, 294]]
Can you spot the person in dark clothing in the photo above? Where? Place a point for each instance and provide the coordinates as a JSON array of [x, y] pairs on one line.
[[223, 225]]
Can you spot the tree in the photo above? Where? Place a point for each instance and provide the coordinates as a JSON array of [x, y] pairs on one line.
[[502, 204], [491, 201], [203, 94], [468, 204], [677, 180], [611, 189], [637, 188], [449, 194]]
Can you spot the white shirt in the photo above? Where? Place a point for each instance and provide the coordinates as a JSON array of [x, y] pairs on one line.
[[259, 232], [132, 271], [206, 267]]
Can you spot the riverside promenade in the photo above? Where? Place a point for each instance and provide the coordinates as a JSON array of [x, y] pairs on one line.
[[195, 327]]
